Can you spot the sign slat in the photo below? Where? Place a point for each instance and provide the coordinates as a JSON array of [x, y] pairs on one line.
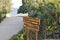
[[31, 26], [31, 20]]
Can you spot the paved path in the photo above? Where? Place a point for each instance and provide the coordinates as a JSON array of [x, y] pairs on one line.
[[14, 15], [10, 26]]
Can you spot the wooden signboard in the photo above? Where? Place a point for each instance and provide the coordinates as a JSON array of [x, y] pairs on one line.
[[32, 27], [31, 24], [31, 20]]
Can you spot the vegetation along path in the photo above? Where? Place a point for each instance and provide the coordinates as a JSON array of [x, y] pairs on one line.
[[10, 26]]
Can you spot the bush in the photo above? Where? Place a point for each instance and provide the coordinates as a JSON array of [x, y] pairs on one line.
[[2, 16], [21, 35], [48, 21], [22, 9]]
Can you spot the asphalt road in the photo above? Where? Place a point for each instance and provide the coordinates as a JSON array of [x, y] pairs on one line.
[[10, 26]]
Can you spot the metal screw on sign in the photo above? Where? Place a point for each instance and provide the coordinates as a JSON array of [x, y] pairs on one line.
[[31, 24]]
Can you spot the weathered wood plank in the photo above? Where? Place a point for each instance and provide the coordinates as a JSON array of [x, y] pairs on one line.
[[31, 20], [31, 26]]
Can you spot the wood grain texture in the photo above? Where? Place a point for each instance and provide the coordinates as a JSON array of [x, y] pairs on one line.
[[31, 20]]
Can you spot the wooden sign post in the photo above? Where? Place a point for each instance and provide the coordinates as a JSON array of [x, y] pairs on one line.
[[31, 24]]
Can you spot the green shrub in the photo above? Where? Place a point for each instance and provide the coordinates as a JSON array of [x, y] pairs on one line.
[[2, 16], [22, 35], [48, 21], [19, 36]]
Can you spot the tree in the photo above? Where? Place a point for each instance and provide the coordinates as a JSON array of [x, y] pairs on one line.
[[5, 5], [46, 12], [22, 9]]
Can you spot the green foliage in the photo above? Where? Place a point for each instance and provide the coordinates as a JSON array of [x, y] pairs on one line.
[[19, 36], [48, 15], [22, 35], [2, 16], [22, 9], [5, 5]]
